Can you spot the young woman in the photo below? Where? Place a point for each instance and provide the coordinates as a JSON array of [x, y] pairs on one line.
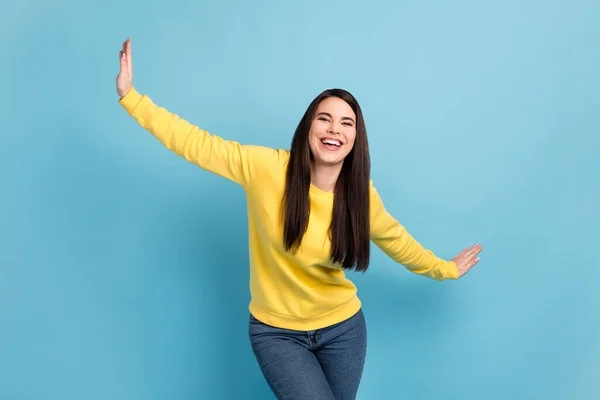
[[312, 212]]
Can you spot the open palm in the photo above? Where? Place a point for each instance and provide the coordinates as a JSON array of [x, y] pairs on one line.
[[125, 77], [467, 258]]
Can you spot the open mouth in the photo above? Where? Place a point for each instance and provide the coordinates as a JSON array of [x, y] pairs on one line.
[[331, 144]]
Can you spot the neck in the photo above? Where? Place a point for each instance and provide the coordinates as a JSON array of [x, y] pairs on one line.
[[324, 177]]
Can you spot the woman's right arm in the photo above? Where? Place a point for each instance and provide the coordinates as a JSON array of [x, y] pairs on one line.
[[226, 158]]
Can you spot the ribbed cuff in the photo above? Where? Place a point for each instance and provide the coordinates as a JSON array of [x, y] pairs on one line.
[[130, 100], [452, 270]]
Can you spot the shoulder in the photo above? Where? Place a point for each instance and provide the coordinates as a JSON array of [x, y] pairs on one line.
[[262, 156], [263, 161], [376, 205], [373, 194]]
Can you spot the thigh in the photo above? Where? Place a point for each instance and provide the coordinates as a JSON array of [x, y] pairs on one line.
[[290, 368], [342, 355]]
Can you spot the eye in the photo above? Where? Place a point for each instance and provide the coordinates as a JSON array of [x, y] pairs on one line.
[[347, 123], [323, 119]]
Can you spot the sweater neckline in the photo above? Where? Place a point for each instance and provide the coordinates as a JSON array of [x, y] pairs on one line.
[[319, 192]]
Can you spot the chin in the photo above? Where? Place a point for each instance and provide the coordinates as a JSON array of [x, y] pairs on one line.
[[328, 158], [329, 162]]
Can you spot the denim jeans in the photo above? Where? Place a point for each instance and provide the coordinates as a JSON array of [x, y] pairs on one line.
[[323, 364]]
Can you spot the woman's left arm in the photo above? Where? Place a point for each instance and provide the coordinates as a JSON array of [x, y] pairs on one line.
[[395, 241]]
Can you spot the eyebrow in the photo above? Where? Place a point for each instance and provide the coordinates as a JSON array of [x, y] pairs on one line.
[[329, 115]]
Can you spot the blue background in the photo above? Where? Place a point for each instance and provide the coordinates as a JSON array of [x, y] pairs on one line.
[[124, 268]]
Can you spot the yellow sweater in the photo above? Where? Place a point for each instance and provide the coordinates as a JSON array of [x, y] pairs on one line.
[[304, 291]]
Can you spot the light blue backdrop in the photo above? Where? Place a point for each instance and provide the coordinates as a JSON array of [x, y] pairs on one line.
[[124, 269]]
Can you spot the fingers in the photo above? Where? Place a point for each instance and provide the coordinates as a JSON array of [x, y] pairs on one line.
[[125, 57], [472, 263], [463, 269], [467, 258], [474, 250], [128, 55], [470, 252], [122, 61], [470, 256]]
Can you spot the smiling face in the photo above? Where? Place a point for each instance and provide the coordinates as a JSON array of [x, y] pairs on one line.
[[332, 132]]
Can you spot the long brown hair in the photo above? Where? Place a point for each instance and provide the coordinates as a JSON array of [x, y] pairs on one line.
[[350, 223]]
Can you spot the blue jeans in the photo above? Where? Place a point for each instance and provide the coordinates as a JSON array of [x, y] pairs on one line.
[[324, 364]]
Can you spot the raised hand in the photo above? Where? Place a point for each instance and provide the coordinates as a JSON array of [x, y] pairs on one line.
[[467, 258], [125, 77]]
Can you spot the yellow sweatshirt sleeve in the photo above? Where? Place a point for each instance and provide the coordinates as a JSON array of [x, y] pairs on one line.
[[394, 240], [226, 158]]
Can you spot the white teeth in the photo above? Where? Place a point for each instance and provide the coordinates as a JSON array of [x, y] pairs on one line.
[[333, 142]]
